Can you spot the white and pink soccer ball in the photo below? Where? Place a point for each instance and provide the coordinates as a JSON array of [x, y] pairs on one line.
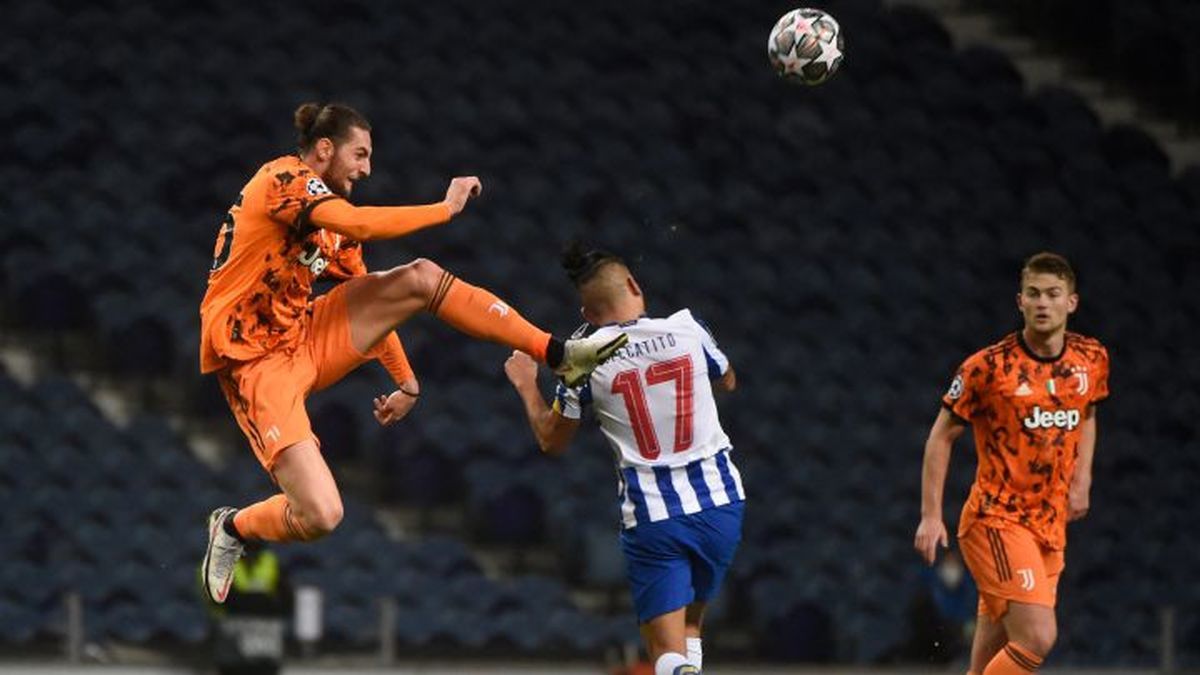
[[806, 46]]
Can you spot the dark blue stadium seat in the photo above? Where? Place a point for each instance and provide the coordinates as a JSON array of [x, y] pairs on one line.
[[580, 632], [444, 557], [526, 631], [18, 623], [183, 622], [356, 624], [413, 627]]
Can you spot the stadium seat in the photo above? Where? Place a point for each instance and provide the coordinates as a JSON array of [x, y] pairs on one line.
[[445, 557], [521, 629]]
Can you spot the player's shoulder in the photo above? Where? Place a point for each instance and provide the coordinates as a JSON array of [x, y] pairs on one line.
[[289, 173], [685, 317], [1089, 347], [995, 352], [284, 168], [1084, 342]]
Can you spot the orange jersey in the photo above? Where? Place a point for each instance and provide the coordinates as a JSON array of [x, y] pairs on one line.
[[1027, 412], [266, 257]]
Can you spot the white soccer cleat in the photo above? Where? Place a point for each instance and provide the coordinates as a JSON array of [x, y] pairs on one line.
[[222, 555], [582, 355]]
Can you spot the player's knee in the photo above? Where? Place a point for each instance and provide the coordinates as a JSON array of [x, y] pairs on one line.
[[417, 279], [1045, 638], [1040, 639], [324, 518]]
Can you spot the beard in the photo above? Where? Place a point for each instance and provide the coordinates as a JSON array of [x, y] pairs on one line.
[[340, 187], [338, 182]]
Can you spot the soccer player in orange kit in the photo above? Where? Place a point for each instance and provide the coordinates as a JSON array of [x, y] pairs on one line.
[[1031, 399], [270, 345]]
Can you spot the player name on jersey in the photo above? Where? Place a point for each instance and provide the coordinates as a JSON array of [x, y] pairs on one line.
[[653, 345]]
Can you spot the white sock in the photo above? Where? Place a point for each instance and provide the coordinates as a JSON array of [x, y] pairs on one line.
[[672, 663], [695, 652]]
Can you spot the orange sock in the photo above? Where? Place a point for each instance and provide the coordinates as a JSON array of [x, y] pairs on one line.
[[1013, 660], [269, 520], [478, 313]]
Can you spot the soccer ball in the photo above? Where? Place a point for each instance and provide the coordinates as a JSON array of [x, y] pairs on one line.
[[805, 46]]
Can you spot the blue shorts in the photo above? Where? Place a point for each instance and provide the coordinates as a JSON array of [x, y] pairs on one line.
[[675, 562]]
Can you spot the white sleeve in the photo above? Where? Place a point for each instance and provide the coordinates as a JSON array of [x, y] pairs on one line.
[[718, 363], [570, 401]]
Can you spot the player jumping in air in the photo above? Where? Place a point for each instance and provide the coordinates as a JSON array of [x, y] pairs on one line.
[[681, 496], [271, 345], [1031, 399]]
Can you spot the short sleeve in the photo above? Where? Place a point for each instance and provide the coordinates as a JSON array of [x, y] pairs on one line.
[[293, 194], [570, 402], [964, 394], [1100, 391], [718, 363]]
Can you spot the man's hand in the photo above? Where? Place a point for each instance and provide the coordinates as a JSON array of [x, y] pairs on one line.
[[461, 189], [395, 407], [521, 370], [1078, 500], [930, 533]]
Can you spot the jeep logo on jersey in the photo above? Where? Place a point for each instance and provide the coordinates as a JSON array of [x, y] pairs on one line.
[[1044, 419], [316, 187], [313, 261]]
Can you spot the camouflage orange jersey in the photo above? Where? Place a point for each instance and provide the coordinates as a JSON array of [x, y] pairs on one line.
[[267, 256], [1027, 412]]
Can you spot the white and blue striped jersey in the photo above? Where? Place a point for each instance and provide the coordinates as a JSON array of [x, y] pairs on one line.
[[654, 402]]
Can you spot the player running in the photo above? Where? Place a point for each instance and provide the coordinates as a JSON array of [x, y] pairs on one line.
[[270, 345], [1031, 399], [681, 496]]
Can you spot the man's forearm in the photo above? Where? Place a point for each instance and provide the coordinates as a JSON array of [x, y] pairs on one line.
[[1086, 451], [933, 477], [538, 414], [395, 360], [365, 223]]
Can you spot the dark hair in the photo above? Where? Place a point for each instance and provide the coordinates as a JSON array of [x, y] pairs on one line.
[[582, 264], [315, 121], [1049, 263]]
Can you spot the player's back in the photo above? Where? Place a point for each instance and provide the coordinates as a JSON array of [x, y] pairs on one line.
[[655, 405]]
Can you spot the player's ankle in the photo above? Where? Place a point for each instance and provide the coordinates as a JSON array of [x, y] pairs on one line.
[[231, 528], [695, 652], [555, 351]]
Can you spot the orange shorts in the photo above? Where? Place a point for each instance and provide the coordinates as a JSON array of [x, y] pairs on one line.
[[267, 394], [1009, 564]]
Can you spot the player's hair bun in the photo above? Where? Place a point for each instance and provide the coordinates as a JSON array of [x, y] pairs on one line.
[[581, 263], [306, 116], [333, 120]]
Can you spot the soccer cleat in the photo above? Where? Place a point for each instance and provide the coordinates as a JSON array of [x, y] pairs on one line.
[[582, 355], [222, 555]]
